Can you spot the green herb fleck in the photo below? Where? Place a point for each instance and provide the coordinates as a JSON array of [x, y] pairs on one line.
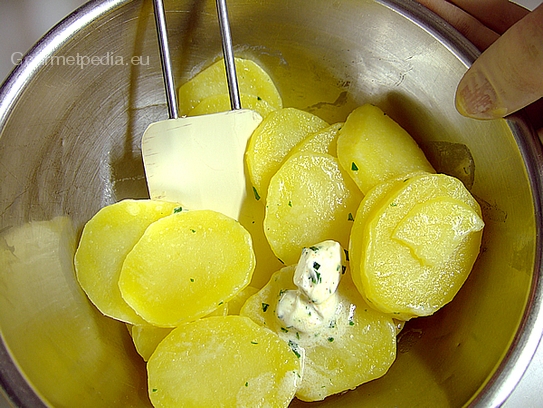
[[294, 347], [393, 204], [316, 266], [330, 339], [258, 98], [265, 307], [284, 329], [343, 269], [346, 254], [192, 279], [290, 203], [193, 231], [314, 248], [350, 217], [155, 389], [319, 277], [246, 383], [354, 167], [298, 335], [220, 303], [351, 323], [254, 342], [257, 196], [177, 210]]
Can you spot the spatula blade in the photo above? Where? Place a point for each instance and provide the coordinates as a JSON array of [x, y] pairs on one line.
[[199, 161]]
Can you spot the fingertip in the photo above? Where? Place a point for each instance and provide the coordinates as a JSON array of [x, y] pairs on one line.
[[477, 98]]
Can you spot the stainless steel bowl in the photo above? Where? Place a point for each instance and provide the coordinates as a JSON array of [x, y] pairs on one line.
[[71, 118]]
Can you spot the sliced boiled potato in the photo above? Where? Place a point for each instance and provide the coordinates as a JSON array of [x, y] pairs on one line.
[[185, 266], [273, 139], [373, 148], [239, 365], [358, 347], [221, 103], [324, 141], [252, 80], [413, 251], [106, 240], [310, 199], [147, 337], [235, 305]]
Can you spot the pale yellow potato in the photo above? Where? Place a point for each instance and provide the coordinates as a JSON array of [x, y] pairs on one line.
[[235, 305], [221, 103], [185, 266], [106, 240], [227, 361], [252, 218], [310, 199], [373, 148], [359, 347], [147, 337], [273, 139], [252, 80], [414, 244], [324, 141]]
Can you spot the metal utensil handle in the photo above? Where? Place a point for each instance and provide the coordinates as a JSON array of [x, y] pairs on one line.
[[162, 32], [228, 53]]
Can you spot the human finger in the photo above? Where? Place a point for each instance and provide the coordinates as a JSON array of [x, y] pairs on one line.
[[508, 75], [471, 28], [498, 15]]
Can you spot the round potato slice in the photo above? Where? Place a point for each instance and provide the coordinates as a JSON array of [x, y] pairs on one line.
[[252, 80], [273, 139], [221, 103], [412, 252], [227, 361], [147, 337], [357, 347], [324, 141], [373, 148], [106, 240], [185, 266], [310, 199]]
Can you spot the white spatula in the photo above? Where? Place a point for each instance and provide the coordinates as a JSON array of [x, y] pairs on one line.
[[199, 161]]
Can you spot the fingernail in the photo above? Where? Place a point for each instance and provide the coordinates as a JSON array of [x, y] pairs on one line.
[[477, 98]]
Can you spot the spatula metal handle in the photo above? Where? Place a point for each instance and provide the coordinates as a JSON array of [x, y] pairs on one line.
[[162, 32], [228, 53]]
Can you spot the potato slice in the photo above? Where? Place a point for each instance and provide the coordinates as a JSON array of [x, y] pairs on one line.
[[221, 103], [185, 266], [373, 148], [359, 347], [324, 141], [147, 337], [106, 240], [235, 305], [227, 361], [310, 199], [252, 80], [273, 139], [412, 252]]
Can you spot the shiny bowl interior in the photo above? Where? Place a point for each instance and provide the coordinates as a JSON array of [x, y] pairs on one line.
[[70, 130]]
